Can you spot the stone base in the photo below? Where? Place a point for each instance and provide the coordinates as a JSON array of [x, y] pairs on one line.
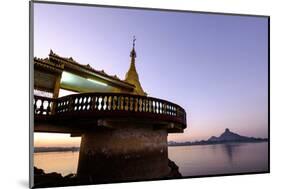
[[124, 154], [42, 179]]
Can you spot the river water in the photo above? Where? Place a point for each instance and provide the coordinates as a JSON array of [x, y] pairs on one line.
[[192, 160]]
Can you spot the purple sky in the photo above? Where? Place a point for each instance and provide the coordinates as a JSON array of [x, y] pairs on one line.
[[215, 66]]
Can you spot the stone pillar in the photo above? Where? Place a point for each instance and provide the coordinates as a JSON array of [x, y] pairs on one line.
[[123, 154], [56, 91], [57, 86]]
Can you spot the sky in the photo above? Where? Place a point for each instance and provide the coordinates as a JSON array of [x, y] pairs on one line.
[[214, 66]]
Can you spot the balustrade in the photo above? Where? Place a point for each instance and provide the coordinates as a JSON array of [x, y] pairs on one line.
[[107, 102], [43, 105]]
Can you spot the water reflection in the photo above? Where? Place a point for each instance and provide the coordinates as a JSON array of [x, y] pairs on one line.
[[231, 149], [221, 158], [228, 150], [192, 160]]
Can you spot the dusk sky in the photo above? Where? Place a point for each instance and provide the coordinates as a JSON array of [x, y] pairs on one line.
[[214, 66]]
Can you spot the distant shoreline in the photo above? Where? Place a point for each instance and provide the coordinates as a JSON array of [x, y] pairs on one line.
[[75, 149], [56, 149], [226, 137], [214, 143]]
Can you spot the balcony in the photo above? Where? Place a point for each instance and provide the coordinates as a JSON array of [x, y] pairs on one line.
[[85, 107]]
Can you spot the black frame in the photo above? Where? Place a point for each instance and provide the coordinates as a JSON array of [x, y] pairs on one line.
[[31, 50]]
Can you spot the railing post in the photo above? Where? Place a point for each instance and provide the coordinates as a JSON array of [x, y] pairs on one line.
[[49, 108], [93, 104], [132, 104], [70, 106], [41, 107], [54, 107]]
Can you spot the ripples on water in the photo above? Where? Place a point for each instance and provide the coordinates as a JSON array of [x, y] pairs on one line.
[[220, 158], [192, 160]]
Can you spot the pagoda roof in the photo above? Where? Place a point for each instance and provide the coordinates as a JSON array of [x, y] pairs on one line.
[[57, 62]]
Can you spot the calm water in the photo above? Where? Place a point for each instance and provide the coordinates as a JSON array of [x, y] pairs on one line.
[[192, 160]]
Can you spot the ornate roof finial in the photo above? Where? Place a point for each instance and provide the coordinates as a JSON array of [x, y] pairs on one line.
[[133, 52], [134, 39]]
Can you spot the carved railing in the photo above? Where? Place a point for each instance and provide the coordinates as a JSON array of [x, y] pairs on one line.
[[109, 104], [43, 105]]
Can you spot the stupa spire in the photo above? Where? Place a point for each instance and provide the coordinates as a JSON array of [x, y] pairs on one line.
[[132, 75], [133, 53]]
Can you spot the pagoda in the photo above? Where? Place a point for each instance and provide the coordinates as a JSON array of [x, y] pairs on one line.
[[123, 131]]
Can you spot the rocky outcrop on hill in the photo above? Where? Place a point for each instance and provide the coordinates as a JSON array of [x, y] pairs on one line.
[[227, 135]]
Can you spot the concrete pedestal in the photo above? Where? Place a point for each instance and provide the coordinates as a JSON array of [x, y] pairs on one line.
[[123, 154]]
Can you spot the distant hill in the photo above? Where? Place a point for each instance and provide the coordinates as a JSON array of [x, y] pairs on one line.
[[225, 137], [229, 136], [55, 149]]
